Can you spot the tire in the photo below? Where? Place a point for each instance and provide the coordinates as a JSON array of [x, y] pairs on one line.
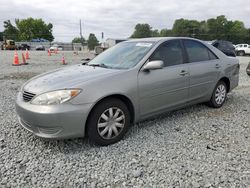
[[102, 120], [241, 53], [219, 95]]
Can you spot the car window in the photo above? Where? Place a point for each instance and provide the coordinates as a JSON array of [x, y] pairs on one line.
[[124, 55], [169, 52], [196, 51], [212, 56], [245, 46]]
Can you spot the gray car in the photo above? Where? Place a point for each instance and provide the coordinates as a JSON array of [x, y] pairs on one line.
[[248, 69], [129, 82]]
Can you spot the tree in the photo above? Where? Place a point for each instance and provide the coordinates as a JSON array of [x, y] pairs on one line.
[[186, 28], [27, 29], [1, 36], [142, 31], [155, 33], [78, 40], [166, 33], [214, 28], [10, 31], [92, 41], [34, 28]]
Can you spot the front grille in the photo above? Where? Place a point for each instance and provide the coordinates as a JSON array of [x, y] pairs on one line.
[[27, 96]]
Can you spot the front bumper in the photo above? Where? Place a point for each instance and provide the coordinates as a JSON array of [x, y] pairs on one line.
[[53, 121]]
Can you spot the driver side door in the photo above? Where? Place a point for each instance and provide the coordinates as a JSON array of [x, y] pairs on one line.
[[167, 88]]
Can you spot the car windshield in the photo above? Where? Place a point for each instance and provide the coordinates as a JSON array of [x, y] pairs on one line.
[[124, 55]]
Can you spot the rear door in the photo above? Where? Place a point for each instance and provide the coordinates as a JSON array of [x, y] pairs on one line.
[[164, 88], [204, 69]]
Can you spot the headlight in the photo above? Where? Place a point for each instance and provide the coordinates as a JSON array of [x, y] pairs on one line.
[[55, 97]]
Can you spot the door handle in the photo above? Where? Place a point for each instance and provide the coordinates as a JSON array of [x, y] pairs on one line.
[[217, 66], [183, 73]]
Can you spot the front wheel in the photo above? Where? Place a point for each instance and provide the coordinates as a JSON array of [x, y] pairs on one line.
[[219, 95], [108, 122]]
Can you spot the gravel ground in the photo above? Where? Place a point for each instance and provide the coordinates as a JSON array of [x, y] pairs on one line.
[[193, 147]]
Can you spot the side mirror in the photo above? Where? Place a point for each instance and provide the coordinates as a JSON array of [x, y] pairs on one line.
[[152, 65]]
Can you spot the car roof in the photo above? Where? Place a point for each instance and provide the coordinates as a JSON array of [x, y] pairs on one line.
[[158, 39]]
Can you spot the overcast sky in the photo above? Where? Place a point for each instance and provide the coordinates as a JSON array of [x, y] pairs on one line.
[[117, 18]]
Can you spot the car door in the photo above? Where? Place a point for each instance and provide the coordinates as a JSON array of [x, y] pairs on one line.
[[248, 49], [204, 69], [164, 88]]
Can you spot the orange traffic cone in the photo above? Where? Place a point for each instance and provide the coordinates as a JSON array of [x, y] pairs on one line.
[[49, 53], [63, 60], [27, 54], [16, 60], [24, 60]]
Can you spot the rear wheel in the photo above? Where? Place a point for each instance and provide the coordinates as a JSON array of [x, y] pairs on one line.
[[108, 122], [219, 95], [241, 53]]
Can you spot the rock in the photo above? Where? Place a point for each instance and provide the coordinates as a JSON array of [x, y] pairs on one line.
[[137, 173]]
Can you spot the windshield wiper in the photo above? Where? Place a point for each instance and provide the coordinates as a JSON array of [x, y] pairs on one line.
[[99, 65]]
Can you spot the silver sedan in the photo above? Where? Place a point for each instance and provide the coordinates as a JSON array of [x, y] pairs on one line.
[[129, 82]]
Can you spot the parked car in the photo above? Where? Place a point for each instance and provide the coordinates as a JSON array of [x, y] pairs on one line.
[[40, 48], [243, 49], [248, 69], [56, 47], [39, 40], [23, 47], [225, 46], [130, 82]]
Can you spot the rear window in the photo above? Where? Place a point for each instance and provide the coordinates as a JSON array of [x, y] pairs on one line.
[[196, 51]]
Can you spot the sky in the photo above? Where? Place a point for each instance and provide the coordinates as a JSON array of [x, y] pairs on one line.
[[117, 18]]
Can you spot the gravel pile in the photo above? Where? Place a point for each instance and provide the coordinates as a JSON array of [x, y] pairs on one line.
[[193, 147]]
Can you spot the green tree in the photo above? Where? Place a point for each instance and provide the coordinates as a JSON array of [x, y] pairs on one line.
[[10, 31], [217, 27], [34, 28], [166, 33], [92, 41], [214, 28], [155, 33], [1, 36], [142, 31], [235, 32], [27, 29], [186, 28], [78, 40]]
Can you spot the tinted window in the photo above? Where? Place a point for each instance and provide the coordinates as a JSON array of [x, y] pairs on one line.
[[216, 45], [211, 55], [196, 51], [169, 52]]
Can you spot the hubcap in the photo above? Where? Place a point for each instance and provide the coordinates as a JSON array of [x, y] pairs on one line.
[[220, 94], [111, 123]]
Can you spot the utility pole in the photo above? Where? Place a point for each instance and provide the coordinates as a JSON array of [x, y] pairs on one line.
[[103, 40], [81, 32]]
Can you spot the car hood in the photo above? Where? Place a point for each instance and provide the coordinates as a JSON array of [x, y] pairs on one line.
[[70, 77]]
